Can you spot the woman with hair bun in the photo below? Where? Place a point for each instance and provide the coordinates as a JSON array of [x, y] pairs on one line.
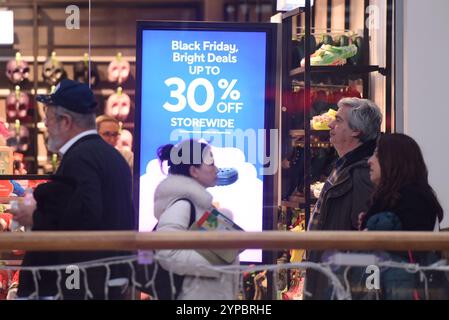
[[183, 193]]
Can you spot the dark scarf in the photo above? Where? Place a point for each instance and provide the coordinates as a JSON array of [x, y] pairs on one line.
[[363, 151]]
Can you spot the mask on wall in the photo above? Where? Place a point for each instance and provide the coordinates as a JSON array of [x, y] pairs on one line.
[[19, 137], [118, 105], [17, 70], [125, 141], [118, 70], [17, 104], [81, 72], [53, 71]]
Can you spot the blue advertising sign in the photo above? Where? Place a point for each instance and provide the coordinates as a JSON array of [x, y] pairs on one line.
[[210, 82]]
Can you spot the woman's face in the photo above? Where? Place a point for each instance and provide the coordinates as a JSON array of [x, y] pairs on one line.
[[374, 171], [206, 174]]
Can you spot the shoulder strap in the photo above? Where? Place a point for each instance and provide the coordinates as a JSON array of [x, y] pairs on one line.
[[192, 212]]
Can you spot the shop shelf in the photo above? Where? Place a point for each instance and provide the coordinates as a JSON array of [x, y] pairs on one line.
[[292, 204], [291, 13], [341, 70], [316, 133], [73, 59]]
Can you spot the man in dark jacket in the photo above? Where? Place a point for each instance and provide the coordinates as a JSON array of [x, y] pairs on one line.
[[91, 191], [348, 189]]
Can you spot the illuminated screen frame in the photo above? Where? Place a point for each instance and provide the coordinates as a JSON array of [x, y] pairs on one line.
[[270, 31]]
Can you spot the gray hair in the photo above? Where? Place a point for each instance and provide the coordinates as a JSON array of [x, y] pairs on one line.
[[364, 116], [84, 121]]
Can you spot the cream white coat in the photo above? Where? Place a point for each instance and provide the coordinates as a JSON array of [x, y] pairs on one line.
[[200, 283]]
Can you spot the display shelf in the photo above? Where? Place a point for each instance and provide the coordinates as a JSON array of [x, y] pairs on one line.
[[341, 70], [12, 262], [128, 125], [313, 145], [292, 204], [297, 204], [103, 92], [4, 200], [77, 58], [317, 133], [25, 177], [28, 125], [291, 13], [108, 92]]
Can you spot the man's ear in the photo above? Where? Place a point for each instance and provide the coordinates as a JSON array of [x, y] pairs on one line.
[[356, 133], [66, 121]]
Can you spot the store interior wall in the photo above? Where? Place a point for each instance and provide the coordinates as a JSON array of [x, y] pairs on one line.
[[426, 107]]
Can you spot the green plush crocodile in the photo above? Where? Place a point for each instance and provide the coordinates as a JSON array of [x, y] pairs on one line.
[[329, 55]]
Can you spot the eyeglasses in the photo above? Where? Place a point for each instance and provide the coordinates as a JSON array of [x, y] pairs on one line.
[[110, 134]]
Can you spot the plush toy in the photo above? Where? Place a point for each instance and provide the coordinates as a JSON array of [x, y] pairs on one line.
[[13, 286], [19, 137], [81, 72], [118, 70], [118, 105], [9, 282], [17, 104], [5, 221], [125, 141], [17, 70], [53, 71]]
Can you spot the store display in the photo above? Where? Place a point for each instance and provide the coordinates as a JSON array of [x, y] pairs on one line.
[[17, 105], [19, 166], [81, 72], [17, 70], [329, 55], [118, 105], [321, 122], [295, 291], [6, 160], [118, 69], [298, 50], [125, 140], [4, 133], [358, 57], [19, 137], [53, 71], [316, 189]]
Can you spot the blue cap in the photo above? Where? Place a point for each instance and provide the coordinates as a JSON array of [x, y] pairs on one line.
[[71, 95]]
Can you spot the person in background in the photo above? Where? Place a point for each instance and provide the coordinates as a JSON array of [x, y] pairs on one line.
[[348, 189], [191, 172], [402, 200], [91, 190], [109, 129]]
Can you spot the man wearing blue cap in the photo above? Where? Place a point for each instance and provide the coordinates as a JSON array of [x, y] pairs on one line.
[[91, 191]]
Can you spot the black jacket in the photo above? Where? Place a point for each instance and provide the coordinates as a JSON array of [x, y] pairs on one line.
[[340, 207], [91, 190], [416, 208]]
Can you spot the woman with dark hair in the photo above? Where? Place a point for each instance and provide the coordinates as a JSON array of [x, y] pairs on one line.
[[399, 173], [402, 200], [181, 199]]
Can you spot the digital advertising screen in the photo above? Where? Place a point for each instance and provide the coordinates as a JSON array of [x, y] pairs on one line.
[[211, 82]]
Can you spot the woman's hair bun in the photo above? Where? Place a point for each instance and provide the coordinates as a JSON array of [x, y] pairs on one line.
[[163, 152]]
